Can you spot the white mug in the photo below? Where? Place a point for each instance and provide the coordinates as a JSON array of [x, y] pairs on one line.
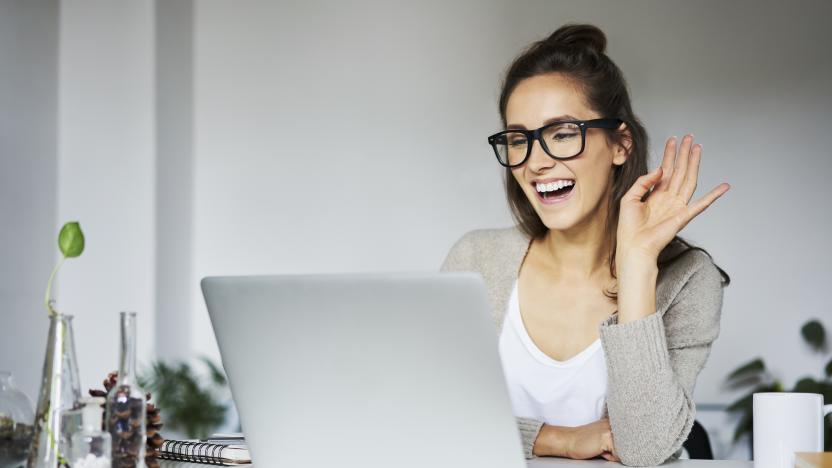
[[785, 423]]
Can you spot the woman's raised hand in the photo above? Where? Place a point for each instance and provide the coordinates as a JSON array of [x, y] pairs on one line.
[[646, 227]]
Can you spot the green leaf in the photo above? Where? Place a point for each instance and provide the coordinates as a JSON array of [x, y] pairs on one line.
[[748, 370], [217, 375], [71, 240], [744, 426], [743, 404], [826, 391], [807, 385], [748, 382], [827, 440], [186, 404], [814, 334]]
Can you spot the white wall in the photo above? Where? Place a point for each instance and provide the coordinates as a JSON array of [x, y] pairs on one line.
[[322, 137], [334, 138], [106, 174], [28, 158], [78, 142], [341, 136], [174, 178]]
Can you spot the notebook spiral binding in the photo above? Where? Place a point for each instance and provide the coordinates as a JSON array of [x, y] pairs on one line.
[[200, 452]]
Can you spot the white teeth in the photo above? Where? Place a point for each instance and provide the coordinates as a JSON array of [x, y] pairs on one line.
[[552, 186]]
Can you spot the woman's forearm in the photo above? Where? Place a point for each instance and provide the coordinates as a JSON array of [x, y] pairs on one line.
[[579, 442], [636, 289], [552, 441], [660, 356]]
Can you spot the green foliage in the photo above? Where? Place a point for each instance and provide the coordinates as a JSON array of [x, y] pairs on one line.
[[71, 243], [814, 334], [217, 376], [751, 369], [748, 374], [754, 374], [745, 425], [187, 403], [808, 385], [71, 240]]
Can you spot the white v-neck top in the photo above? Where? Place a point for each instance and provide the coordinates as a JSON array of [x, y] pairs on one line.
[[559, 393]]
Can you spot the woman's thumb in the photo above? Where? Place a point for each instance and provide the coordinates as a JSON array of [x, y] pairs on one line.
[[643, 184]]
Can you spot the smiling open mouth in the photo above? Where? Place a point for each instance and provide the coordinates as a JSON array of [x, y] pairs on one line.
[[555, 190]]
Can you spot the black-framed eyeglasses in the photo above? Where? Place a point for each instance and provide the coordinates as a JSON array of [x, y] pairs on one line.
[[561, 140]]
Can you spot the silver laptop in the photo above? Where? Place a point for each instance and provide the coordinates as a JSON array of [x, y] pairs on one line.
[[365, 370]]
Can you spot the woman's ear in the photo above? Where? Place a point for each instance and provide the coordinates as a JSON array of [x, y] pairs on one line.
[[625, 148]]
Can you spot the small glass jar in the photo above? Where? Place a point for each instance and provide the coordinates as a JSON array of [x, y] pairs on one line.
[[16, 423], [60, 391], [91, 446], [126, 410]]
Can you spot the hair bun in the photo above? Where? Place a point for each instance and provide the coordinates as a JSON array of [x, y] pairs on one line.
[[579, 36]]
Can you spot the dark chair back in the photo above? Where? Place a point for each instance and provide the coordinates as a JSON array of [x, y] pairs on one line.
[[698, 444]]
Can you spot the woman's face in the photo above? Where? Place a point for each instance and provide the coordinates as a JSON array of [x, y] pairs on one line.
[[537, 101]]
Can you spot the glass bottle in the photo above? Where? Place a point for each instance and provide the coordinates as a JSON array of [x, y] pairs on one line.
[[91, 447], [60, 391], [126, 403], [16, 418]]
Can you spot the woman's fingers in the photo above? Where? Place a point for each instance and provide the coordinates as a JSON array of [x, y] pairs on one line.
[[642, 186], [681, 165], [610, 457], [682, 218], [689, 186], [607, 447], [667, 163], [699, 205]]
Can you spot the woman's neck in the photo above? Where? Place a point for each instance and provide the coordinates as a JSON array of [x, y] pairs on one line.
[[581, 252]]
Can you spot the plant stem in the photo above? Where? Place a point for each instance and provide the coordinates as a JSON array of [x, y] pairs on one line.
[[53, 444], [47, 301]]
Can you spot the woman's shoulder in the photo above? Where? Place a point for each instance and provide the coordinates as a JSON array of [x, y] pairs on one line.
[[689, 293], [478, 246], [680, 260], [491, 237]]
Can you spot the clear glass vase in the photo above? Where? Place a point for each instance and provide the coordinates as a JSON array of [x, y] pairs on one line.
[[60, 392], [126, 404], [16, 418]]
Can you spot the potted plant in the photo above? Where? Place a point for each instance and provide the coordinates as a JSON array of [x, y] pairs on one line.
[[60, 388], [756, 377], [191, 405]]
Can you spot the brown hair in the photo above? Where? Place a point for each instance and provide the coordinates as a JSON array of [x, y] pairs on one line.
[[577, 52]]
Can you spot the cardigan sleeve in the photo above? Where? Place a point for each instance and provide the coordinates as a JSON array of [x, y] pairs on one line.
[[652, 365], [461, 258]]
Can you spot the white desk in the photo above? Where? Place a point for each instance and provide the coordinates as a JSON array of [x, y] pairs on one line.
[[546, 462]]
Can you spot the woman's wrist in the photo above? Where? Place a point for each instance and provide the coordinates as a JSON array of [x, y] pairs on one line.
[[552, 441], [636, 290]]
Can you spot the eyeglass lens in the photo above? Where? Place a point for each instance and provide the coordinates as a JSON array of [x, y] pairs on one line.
[[560, 141]]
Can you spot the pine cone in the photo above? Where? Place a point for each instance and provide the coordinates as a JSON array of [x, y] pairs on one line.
[[153, 422]]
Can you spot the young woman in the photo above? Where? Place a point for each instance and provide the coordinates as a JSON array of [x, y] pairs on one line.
[[605, 316]]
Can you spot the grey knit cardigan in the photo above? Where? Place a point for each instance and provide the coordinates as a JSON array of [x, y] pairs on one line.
[[652, 363]]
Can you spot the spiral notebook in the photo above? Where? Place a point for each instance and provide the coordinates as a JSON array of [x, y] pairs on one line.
[[212, 453]]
